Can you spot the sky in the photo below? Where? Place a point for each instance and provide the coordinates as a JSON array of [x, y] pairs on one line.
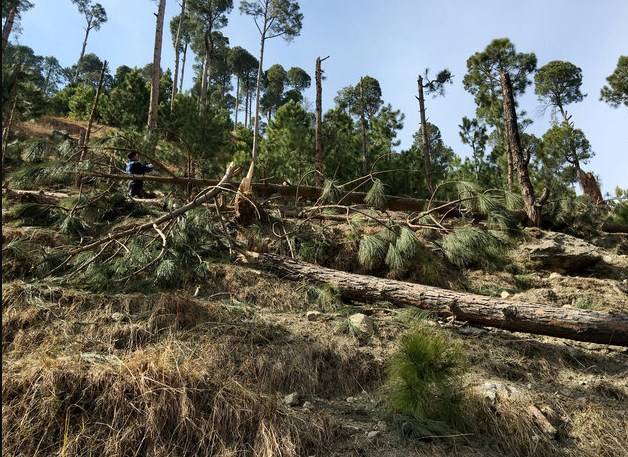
[[393, 41]]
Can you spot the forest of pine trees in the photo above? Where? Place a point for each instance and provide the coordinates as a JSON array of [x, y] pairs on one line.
[[232, 108]]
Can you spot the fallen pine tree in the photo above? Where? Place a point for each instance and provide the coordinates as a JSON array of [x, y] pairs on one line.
[[266, 189], [564, 322]]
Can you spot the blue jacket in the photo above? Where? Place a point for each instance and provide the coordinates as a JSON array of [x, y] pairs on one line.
[[135, 167]]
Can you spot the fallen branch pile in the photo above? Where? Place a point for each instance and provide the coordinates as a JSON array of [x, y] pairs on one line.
[[565, 322], [205, 196]]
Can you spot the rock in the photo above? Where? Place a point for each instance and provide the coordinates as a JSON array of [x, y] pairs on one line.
[[95, 358], [473, 331], [362, 322], [308, 405], [561, 253], [505, 294], [351, 428], [373, 434], [60, 134], [118, 317], [292, 399], [554, 276], [496, 391], [313, 315]]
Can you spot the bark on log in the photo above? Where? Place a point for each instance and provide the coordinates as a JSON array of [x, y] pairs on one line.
[[565, 322]]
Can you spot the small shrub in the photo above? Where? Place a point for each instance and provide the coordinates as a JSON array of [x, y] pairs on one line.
[[394, 247], [577, 216], [327, 297], [587, 302], [372, 252], [348, 327], [424, 375]]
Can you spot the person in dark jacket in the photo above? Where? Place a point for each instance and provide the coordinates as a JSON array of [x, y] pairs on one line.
[[135, 167]]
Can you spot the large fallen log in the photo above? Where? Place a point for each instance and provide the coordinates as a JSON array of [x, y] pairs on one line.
[[564, 322], [266, 189]]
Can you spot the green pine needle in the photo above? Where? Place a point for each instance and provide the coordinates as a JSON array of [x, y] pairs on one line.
[[376, 197], [331, 191], [372, 252], [471, 246]]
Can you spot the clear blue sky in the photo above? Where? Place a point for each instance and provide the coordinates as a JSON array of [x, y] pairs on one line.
[[393, 40]]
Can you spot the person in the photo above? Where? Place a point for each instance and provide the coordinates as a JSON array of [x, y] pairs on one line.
[[135, 167]]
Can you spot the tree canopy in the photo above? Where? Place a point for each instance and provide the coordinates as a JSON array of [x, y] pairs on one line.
[[615, 92]]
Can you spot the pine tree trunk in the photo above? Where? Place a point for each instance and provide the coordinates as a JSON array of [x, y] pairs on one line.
[[364, 126], [177, 41], [318, 148], [251, 110], [588, 183], [185, 52], [90, 122], [7, 132], [47, 82], [520, 158], [173, 94], [510, 171], [8, 26], [538, 319], [258, 87], [80, 61], [206, 69], [365, 165], [246, 106], [590, 187], [237, 100], [153, 109], [425, 143]]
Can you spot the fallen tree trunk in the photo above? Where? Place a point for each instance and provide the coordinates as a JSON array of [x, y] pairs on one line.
[[34, 196], [565, 322], [266, 189]]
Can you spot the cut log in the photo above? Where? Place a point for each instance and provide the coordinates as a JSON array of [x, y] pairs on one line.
[[538, 319]]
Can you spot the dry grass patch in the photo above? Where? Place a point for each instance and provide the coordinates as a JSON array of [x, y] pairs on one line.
[[160, 401], [110, 375]]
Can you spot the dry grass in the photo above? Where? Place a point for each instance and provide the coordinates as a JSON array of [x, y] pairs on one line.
[[43, 127], [160, 401], [87, 374]]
